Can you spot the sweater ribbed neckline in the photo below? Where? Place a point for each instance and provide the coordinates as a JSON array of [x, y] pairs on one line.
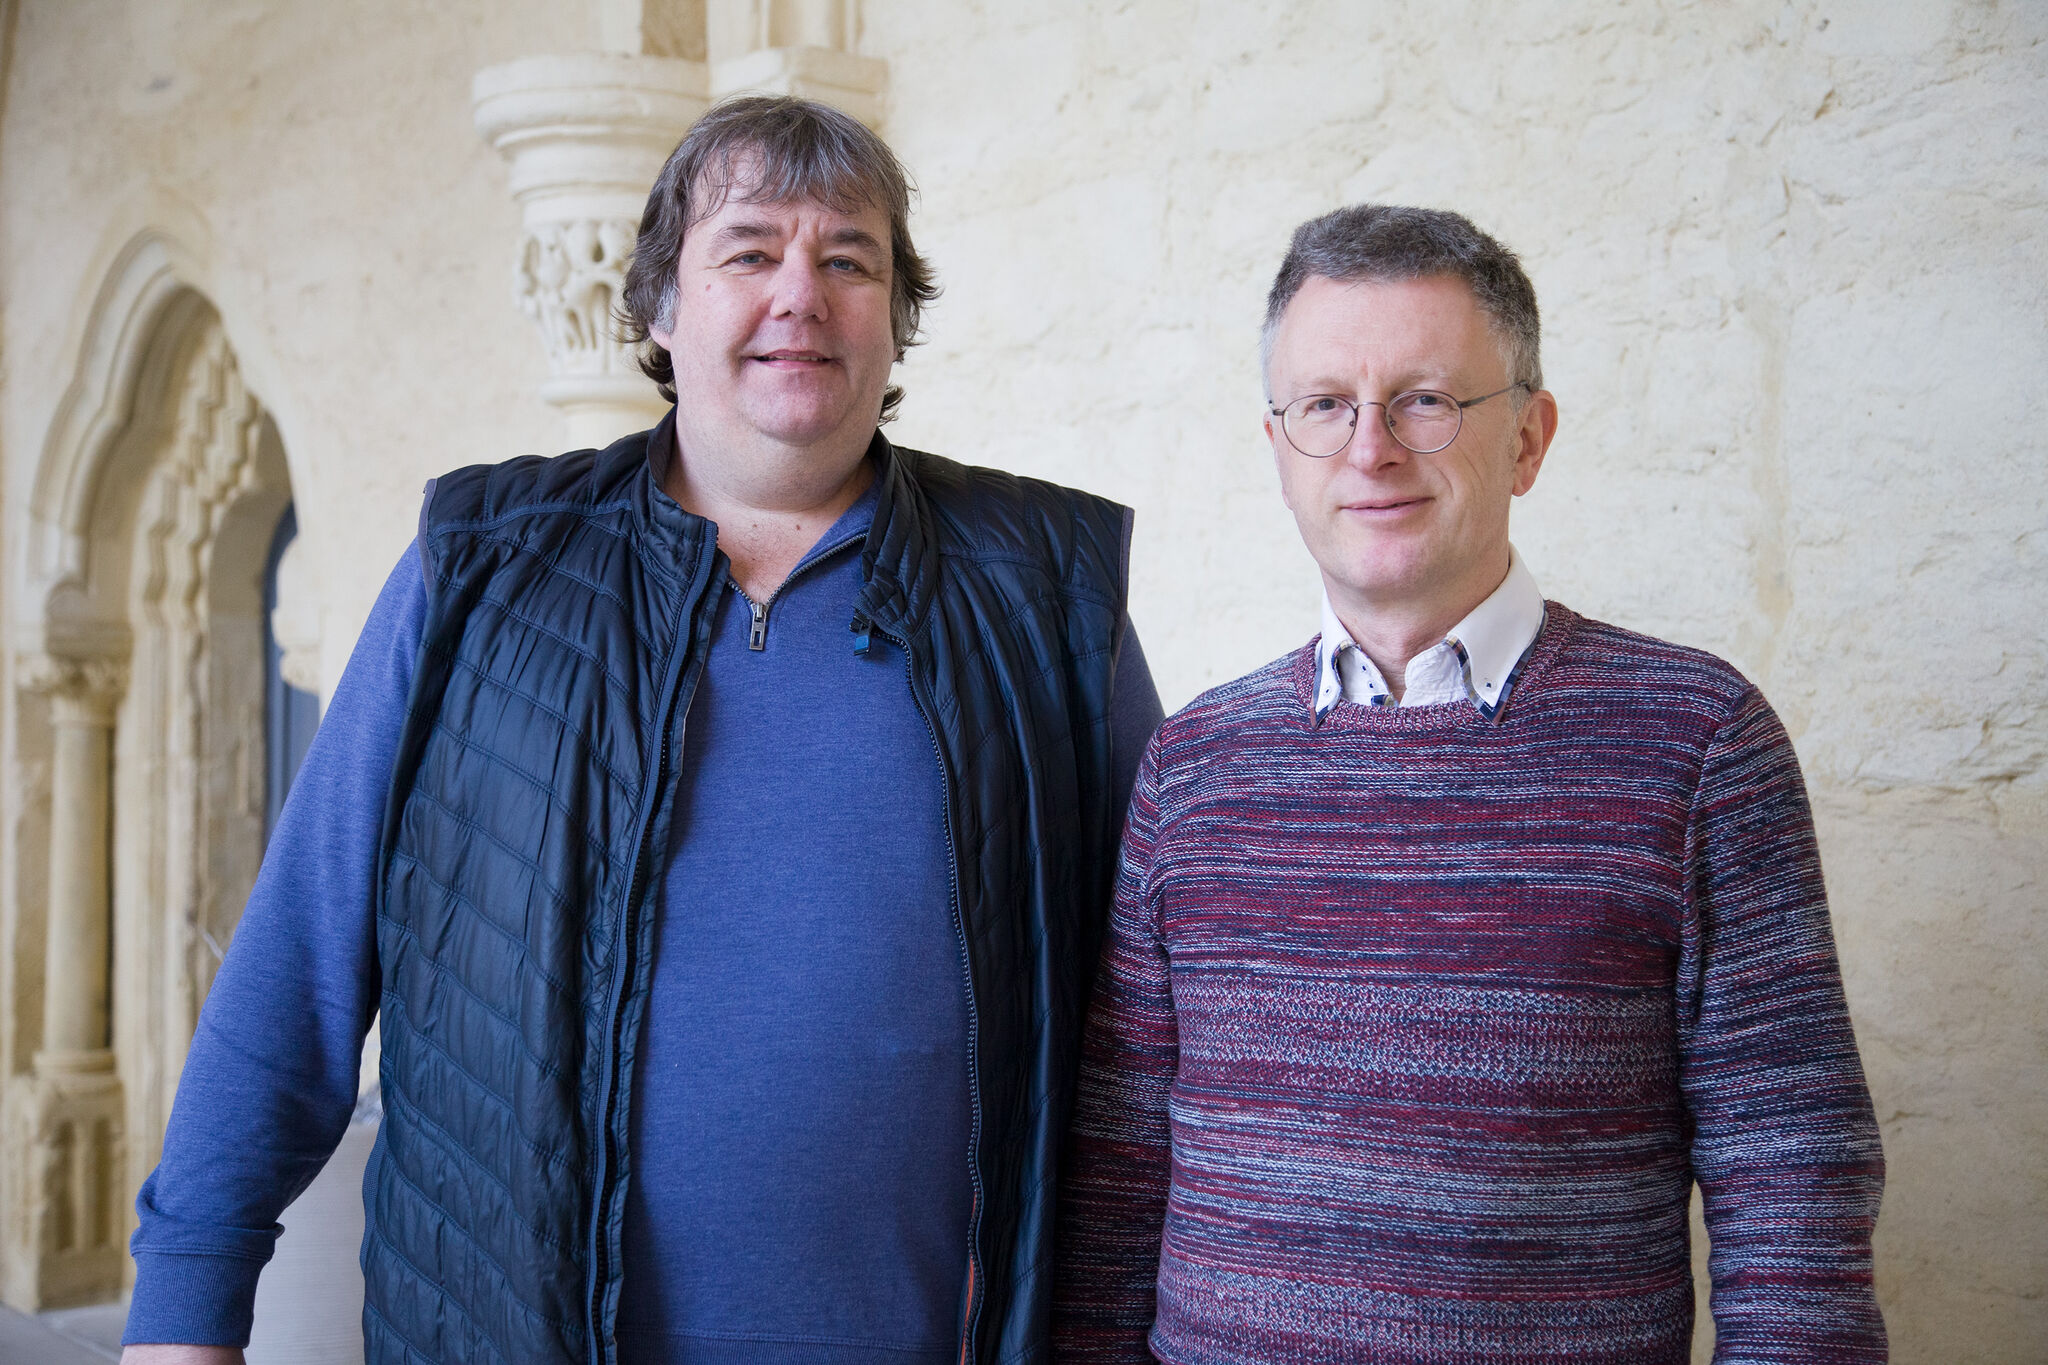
[[1560, 623]]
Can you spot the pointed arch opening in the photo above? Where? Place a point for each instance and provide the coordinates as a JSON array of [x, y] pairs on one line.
[[141, 724]]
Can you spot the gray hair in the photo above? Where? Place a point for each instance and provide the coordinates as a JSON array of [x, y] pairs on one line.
[[1389, 242], [772, 149]]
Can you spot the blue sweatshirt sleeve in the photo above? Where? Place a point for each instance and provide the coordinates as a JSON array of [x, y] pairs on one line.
[[271, 1078]]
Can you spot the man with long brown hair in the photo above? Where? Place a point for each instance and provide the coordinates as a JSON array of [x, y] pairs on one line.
[[722, 824]]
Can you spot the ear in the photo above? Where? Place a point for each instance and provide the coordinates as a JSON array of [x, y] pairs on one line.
[[1539, 426], [668, 305], [1279, 444]]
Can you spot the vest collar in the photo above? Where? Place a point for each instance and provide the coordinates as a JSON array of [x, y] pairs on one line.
[[898, 570], [902, 534], [660, 516]]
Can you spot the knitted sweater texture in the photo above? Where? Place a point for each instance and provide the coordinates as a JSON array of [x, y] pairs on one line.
[[1415, 1029]]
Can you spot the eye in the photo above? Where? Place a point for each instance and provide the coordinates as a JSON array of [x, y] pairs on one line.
[[1322, 405], [1426, 403], [749, 258]]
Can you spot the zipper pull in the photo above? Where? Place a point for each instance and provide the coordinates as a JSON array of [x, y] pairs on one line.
[[757, 634], [861, 627]]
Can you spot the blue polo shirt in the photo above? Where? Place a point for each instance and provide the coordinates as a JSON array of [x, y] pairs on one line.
[[799, 1147], [800, 1110]]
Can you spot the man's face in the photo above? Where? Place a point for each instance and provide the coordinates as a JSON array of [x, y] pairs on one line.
[[781, 329], [1393, 531]]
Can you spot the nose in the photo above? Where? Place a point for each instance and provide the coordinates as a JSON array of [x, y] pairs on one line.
[[1372, 441], [800, 289]]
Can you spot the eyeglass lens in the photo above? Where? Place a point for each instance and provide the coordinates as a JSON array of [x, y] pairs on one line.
[[1321, 424]]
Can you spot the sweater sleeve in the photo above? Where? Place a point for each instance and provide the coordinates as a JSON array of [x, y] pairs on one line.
[[1113, 1197], [1785, 1145], [271, 1078]]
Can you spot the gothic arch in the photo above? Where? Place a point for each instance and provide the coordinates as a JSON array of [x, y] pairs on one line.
[[140, 691], [189, 772], [70, 591]]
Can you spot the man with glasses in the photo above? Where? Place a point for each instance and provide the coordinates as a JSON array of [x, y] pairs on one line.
[[1452, 948]]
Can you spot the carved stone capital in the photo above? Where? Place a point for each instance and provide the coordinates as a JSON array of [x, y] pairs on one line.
[[82, 691], [295, 621], [586, 134], [570, 275]]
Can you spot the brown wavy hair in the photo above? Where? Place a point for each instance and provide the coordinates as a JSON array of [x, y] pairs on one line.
[[771, 149]]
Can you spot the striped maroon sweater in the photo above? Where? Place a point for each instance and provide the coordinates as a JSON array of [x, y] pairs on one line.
[[1415, 1028]]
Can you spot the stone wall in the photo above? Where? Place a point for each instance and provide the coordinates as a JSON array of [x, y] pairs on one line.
[[1792, 262], [1792, 259]]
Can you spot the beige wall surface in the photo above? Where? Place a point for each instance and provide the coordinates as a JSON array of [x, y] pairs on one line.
[[1793, 260]]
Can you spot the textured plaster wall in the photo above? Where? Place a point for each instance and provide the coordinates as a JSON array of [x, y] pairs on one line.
[[319, 163], [1792, 260]]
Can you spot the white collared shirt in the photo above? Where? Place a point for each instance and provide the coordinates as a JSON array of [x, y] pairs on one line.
[[1474, 663]]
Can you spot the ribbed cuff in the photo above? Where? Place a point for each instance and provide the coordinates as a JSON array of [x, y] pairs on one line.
[[192, 1300]]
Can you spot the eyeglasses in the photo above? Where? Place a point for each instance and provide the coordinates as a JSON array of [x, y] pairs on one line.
[[1425, 421]]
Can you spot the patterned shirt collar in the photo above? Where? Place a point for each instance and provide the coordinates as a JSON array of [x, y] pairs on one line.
[[1476, 661]]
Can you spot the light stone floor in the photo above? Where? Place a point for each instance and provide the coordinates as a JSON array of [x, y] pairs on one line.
[[74, 1336]]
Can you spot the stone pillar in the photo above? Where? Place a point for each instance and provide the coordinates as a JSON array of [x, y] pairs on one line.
[[586, 134], [794, 47], [75, 974], [62, 1222]]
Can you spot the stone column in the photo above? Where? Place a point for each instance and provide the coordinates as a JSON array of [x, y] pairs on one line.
[[586, 134], [794, 47], [62, 1220], [75, 974]]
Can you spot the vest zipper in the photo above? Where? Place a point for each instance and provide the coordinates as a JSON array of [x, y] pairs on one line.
[[757, 634], [623, 964], [971, 1308]]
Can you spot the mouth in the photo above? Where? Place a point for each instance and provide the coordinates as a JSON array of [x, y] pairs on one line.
[[791, 359], [1385, 507]]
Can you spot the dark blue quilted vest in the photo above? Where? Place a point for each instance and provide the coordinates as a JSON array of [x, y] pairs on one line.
[[566, 627]]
